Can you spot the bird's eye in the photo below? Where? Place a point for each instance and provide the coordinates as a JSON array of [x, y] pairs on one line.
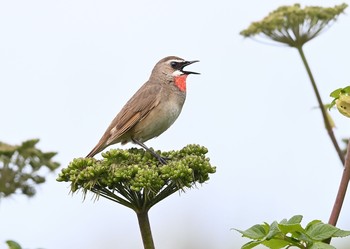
[[173, 64]]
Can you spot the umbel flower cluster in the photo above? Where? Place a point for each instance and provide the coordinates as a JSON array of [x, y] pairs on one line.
[[135, 178], [293, 25]]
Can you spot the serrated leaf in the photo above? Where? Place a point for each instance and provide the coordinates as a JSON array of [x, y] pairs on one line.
[[284, 221], [255, 232], [295, 219], [321, 245], [251, 244], [274, 230], [291, 228], [341, 233], [311, 223], [13, 244], [292, 225], [275, 243], [302, 237], [320, 231]]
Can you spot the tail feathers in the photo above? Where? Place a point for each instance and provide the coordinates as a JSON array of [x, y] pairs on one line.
[[97, 149]]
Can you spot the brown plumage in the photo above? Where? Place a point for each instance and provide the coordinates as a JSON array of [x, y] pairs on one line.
[[152, 109]]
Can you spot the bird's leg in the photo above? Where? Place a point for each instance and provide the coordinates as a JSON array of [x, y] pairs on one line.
[[162, 160]]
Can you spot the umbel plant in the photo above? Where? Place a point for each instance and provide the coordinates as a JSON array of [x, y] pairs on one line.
[[135, 179], [294, 26], [22, 168]]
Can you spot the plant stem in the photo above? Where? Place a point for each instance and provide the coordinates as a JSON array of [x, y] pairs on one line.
[[321, 105], [341, 191], [145, 229]]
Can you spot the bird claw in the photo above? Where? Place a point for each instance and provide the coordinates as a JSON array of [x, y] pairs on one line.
[[163, 160]]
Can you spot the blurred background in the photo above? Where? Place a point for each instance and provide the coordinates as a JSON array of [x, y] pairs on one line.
[[68, 67]]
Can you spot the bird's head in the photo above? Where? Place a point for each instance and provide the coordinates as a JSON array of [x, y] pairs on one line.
[[172, 68]]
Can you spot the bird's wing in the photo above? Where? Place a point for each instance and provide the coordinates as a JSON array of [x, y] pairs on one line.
[[137, 108]]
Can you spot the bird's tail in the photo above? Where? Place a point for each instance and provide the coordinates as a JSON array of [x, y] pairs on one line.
[[97, 149]]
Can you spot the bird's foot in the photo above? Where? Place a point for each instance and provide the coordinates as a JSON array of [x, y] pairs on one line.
[[163, 160]]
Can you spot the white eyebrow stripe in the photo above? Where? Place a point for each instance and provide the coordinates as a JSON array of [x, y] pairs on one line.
[[174, 61]]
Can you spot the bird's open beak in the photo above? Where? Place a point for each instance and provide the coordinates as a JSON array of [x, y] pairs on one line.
[[186, 63]]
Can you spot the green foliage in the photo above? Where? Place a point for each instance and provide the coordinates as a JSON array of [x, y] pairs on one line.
[[293, 25], [135, 178], [341, 100], [13, 244], [290, 233], [21, 167]]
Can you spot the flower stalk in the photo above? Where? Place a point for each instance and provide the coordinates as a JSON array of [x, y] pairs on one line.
[[294, 26], [343, 186], [326, 119], [145, 229]]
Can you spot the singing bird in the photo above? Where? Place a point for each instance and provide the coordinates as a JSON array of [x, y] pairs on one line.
[[152, 109]]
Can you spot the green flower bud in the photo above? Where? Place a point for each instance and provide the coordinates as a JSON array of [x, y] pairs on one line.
[[136, 177], [293, 25]]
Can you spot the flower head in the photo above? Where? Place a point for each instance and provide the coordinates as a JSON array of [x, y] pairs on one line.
[[134, 178], [293, 25]]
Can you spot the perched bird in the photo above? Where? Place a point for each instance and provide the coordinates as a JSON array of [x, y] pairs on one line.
[[152, 109]]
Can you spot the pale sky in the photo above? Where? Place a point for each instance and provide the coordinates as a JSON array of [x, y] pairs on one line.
[[68, 67]]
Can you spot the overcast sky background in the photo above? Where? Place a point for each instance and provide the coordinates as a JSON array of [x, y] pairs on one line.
[[68, 67]]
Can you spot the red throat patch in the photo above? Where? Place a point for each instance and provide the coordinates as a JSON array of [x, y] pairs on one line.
[[180, 82]]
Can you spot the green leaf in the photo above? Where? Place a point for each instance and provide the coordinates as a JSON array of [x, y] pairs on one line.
[[346, 89], [274, 230], [321, 245], [320, 231], [295, 219], [290, 234], [275, 243], [30, 143], [13, 245], [291, 228], [251, 244], [330, 106], [336, 93], [341, 233], [311, 223], [255, 232], [24, 167], [342, 95], [49, 155]]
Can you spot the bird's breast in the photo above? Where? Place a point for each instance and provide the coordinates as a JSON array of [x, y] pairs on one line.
[[160, 118]]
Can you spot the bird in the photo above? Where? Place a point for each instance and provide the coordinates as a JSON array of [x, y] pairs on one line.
[[152, 109]]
